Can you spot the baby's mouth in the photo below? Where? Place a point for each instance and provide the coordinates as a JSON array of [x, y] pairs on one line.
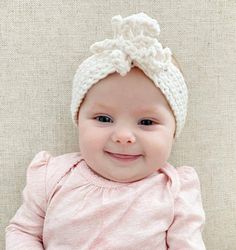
[[125, 157]]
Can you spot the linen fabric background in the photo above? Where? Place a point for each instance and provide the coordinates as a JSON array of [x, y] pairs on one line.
[[41, 45]]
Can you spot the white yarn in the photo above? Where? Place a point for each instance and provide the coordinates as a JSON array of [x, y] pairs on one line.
[[134, 44]]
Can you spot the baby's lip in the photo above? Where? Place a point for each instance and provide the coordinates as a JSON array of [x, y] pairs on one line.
[[125, 156]]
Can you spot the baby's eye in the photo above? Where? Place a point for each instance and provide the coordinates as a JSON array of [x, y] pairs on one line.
[[103, 118], [147, 122]]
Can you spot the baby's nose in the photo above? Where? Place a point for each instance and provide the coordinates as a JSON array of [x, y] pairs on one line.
[[123, 137]]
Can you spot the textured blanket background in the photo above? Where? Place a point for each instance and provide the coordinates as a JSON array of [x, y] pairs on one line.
[[41, 45]]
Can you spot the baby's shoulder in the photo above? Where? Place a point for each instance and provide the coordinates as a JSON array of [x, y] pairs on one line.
[[49, 169], [186, 172], [60, 165], [181, 177], [60, 160], [182, 172], [65, 161]]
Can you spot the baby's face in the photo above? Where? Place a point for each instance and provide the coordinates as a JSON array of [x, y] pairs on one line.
[[126, 127]]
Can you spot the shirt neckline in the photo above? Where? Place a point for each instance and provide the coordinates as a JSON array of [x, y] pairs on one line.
[[97, 179]]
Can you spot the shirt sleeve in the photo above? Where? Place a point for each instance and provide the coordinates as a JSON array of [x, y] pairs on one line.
[[25, 228], [185, 232]]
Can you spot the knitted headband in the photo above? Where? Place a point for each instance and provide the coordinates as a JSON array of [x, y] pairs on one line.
[[134, 44]]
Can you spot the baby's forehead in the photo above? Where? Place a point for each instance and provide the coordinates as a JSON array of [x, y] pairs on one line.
[[133, 109], [116, 103], [135, 90]]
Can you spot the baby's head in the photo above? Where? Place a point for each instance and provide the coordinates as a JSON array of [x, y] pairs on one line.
[[129, 102]]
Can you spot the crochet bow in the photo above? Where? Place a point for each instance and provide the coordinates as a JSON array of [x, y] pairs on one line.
[[135, 40]]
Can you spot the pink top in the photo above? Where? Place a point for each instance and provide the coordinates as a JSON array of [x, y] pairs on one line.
[[68, 206]]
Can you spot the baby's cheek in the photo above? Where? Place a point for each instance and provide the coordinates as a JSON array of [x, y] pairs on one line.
[[90, 138], [94, 140], [159, 150]]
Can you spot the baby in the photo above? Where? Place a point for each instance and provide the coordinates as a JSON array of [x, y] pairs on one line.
[[129, 103]]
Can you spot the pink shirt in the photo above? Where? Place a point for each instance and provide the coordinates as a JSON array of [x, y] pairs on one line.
[[68, 206]]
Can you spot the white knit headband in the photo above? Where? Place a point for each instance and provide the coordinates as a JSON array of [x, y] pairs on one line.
[[134, 44]]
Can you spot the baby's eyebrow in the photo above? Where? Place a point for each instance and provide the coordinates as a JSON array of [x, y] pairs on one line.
[[155, 112], [101, 106], [96, 106], [143, 110]]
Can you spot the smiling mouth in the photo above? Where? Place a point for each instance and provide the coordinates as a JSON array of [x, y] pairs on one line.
[[123, 157]]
